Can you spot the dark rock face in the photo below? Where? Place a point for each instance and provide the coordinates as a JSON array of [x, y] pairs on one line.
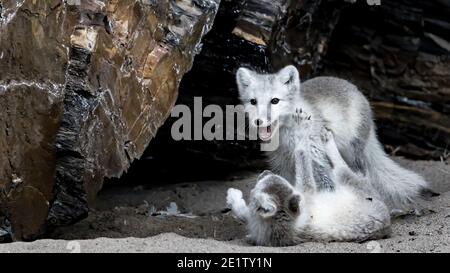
[[84, 87], [398, 53]]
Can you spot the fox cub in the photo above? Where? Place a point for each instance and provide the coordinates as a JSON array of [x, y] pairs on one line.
[[280, 215]]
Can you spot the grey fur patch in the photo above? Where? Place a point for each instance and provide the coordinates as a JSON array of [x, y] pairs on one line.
[[356, 156], [303, 162], [358, 162], [279, 188], [329, 162], [322, 177], [334, 89], [366, 123]]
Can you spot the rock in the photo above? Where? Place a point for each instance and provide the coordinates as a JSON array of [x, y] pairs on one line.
[[398, 54], [84, 87], [258, 19]]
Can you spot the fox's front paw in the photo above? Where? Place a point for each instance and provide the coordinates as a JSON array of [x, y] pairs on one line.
[[234, 197], [299, 116], [237, 204]]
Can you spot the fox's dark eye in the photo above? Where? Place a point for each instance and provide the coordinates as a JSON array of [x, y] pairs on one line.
[[253, 101], [275, 101]]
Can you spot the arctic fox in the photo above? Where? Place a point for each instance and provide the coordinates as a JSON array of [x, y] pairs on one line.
[[279, 214], [271, 98]]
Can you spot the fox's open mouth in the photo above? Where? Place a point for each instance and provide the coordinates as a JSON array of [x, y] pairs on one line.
[[266, 133]]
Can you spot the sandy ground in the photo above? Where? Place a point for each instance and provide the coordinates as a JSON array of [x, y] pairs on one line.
[[192, 217]]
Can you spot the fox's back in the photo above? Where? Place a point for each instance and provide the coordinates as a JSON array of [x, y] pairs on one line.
[[343, 107]]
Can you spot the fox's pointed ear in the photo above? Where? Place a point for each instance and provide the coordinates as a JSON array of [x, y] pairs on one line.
[[265, 206], [264, 174], [289, 75], [244, 78], [267, 212]]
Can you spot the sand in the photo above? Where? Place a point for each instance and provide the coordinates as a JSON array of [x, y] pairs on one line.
[[145, 219]]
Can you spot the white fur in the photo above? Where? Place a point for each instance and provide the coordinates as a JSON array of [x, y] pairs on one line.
[[237, 203], [342, 215]]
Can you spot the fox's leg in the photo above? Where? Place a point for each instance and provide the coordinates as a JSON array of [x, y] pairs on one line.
[[238, 205], [303, 163], [332, 150], [342, 171], [304, 173]]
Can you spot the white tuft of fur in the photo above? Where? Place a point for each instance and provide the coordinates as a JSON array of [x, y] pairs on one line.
[[237, 204]]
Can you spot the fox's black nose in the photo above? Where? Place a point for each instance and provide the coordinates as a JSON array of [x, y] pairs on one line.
[[258, 122]]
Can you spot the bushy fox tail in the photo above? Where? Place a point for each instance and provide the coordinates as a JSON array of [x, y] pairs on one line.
[[400, 188]]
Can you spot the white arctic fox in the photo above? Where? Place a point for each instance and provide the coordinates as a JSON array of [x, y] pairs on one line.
[[279, 214], [270, 99]]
